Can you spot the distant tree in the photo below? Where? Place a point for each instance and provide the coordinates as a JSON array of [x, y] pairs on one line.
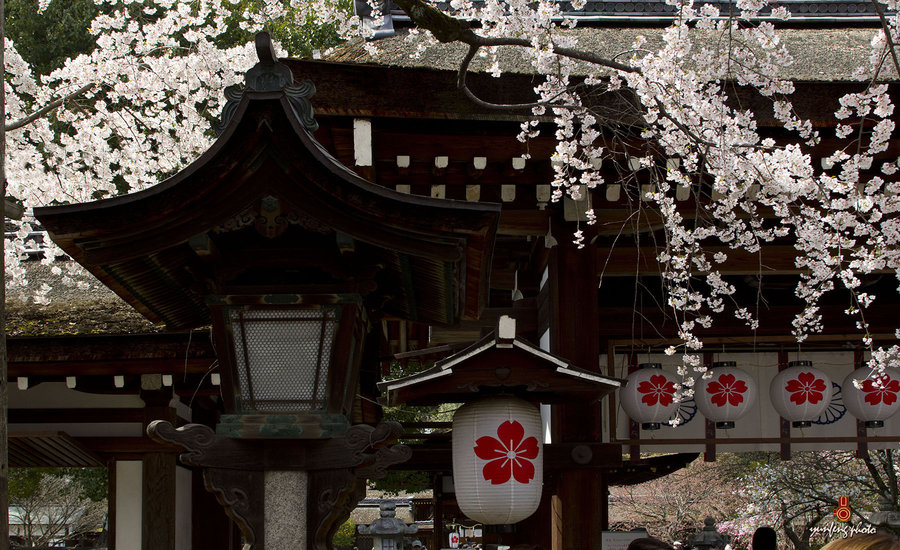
[[55, 504], [47, 38], [673, 507], [798, 495]]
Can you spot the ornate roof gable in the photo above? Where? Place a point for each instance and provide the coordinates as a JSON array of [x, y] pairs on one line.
[[267, 211]]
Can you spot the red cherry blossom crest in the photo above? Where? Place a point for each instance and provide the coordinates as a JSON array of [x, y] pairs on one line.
[[727, 389], [806, 387], [658, 389], [508, 455], [885, 391]]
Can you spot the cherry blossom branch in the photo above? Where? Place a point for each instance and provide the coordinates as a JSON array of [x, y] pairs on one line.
[[24, 121], [450, 29], [887, 34]]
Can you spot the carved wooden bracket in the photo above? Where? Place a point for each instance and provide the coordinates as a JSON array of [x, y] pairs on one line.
[[234, 470], [241, 494], [334, 493]]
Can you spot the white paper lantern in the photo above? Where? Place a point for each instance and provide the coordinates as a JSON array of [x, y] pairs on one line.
[[800, 393], [876, 399], [727, 395], [498, 459], [648, 396]]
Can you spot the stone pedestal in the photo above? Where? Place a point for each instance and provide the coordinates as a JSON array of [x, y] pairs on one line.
[[285, 502]]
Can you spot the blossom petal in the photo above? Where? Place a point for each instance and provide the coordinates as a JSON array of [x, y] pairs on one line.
[[522, 470], [510, 434], [497, 471], [528, 449], [488, 448], [874, 398]]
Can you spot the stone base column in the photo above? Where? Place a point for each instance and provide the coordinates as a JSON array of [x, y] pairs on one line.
[[285, 509]]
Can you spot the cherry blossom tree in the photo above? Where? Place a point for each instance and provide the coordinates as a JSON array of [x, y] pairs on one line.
[[673, 507], [134, 110], [140, 107], [841, 222], [798, 498]]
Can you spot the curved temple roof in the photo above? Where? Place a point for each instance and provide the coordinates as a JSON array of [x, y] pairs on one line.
[[267, 211]]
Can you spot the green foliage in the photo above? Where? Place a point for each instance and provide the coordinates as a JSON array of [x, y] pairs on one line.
[[412, 481], [47, 39], [24, 482], [398, 482], [299, 39], [345, 535]]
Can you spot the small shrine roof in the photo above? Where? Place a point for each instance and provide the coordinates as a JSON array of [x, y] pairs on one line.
[[498, 363]]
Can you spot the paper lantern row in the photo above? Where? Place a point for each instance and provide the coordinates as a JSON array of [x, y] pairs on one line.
[[800, 394]]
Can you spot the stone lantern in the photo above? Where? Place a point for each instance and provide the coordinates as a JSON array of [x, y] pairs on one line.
[[388, 531], [887, 517], [708, 538], [292, 259]]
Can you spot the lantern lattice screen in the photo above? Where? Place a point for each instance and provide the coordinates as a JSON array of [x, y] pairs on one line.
[[282, 358]]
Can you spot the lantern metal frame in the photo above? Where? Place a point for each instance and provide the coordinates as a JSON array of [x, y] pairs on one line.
[[289, 396]]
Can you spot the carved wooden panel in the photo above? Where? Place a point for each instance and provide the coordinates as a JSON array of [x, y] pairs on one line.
[[241, 493]]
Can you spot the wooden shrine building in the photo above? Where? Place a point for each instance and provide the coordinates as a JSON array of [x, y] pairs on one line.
[[407, 218]]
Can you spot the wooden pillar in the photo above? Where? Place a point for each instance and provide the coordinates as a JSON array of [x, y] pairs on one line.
[[440, 537], [210, 526], [111, 505], [158, 510], [158, 486], [534, 530], [574, 335]]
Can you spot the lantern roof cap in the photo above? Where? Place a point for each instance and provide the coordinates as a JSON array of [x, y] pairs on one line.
[[499, 363], [388, 524]]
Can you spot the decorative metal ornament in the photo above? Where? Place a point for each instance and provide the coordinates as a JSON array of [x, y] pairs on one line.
[[498, 469], [876, 398], [727, 395], [648, 396], [800, 393], [270, 75]]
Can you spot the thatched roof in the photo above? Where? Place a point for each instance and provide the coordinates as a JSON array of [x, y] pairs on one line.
[[92, 309], [820, 54]]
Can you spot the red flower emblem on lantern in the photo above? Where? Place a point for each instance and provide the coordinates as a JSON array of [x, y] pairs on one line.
[[658, 389], [727, 389], [508, 454], [806, 387], [886, 391]]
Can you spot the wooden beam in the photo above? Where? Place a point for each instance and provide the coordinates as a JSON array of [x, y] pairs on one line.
[[122, 367], [757, 440], [626, 261], [557, 456], [649, 323], [42, 416]]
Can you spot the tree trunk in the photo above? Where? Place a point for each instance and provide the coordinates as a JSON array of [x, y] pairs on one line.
[[4, 399]]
